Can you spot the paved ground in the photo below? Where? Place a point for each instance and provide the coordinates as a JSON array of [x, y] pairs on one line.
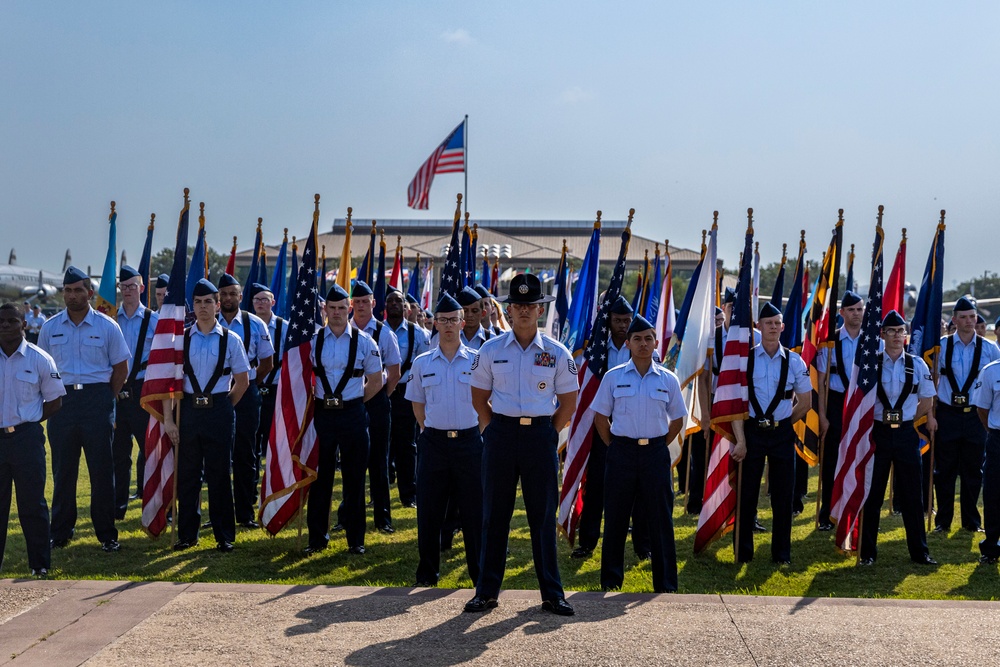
[[108, 623]]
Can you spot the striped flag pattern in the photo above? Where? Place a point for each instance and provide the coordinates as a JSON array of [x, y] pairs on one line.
[[731, 403], [292, 455], [856, 454], [447, 158], [164, 380], [595, 360]]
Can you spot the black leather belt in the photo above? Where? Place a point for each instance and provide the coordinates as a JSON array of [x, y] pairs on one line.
[[523, 421], [451, 435], [336, 403], [641, 442], [79, 387], [10, 431], [765, 424], [960, 409]]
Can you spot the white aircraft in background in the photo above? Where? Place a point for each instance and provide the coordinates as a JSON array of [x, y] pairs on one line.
[[27, 284]]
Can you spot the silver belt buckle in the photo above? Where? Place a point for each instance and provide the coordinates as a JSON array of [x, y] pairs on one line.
[[335, 403], [452, 434], [524, 421], [78, 387], [643, 441]]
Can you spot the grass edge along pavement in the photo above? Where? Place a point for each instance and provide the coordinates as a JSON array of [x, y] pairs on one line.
[[817, 569]]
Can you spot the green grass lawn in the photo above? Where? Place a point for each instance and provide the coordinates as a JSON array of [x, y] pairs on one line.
[[817, 569]]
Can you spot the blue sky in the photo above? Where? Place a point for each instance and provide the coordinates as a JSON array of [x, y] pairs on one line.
[[676, 109]]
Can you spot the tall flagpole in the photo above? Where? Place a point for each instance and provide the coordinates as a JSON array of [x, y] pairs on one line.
[[465, 141]]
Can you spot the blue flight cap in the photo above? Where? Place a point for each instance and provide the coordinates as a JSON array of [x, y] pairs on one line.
[[391, 289], [337, 293], [621, 306], [411, 299], [719, 311], [963, 304], [127, 273], [768, 310], [227, 281], [204, 287], [257, 288], [849, 299], [893, 319], [482, 291], [468, 296], [980, 319], [639, 324], [447, 304], [162, 281], [74, 275], [729, 296], [361, 288]]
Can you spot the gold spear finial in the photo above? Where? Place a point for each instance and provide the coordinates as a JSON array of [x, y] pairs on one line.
[[597, 224], [631, 214], [840, 217], [260, 223], [316, 212], [112, 210], [750, 221], [349, 212], [186, 193], [152, 222], [201, 215], [880, 211]]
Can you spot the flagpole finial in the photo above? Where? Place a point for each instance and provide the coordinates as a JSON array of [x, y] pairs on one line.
[[316, 199], [715, 217], [234, 243], [201, 215], [756, 246], [597, 224], [656, 248], [152, 222], [840, 216], [381, 234], [881, 209], [112, 208], [852, 248], [349, 212], [631, 214], [942, 218], [784, 251], [186, 193], [647, 254], [260, 223], [904, 236], [750, 220], [565, 247], [399, 240], [295, 246]]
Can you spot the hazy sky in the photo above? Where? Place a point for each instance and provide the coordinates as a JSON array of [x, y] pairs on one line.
[[796, 109]]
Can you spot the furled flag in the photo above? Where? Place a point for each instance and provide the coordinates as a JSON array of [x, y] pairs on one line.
[[197, 270], [378, 312], [278, 277], [673, 348], [262, 269], [779, 282], [856, 453], [396, 276], [344, 272], [555, 317], [293, 275], [146, 260], [471, 282], [164, 380], [641, 285], [718, 510], [495, 278], [698, 339], [651, 304], [107, 291], [791, 336], [428, 289], [413, 288], [576, 328], [292, 454], [465, 258], [448, 158], [231, 264], [247, 303], [849, 283], [485, 271], [755, 300], [452, 279], [893, 297], [666, 317], [820, 322], [592, 369], [323, 289], [925, 336]]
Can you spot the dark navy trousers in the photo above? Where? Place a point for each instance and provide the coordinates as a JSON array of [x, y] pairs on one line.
[[831, 450], [991, 496], [589, 529], [346, 430], [84, 423], [448, 468], [777, 447], [958, 452], [403, 447], [527, 453], [206, 450], [22, 464], [246, 460], [130, 425], [639, 475]]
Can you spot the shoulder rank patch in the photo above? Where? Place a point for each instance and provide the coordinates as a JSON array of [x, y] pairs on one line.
[[55, 376], [409, 377], [572, 366], [475, 362], [979, 384], [546, 359]]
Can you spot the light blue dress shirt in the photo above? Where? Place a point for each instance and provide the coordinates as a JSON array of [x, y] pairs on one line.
[[767, 372], [130, 327], [639, 406], [849, 348], [336, 351], [84, 353], [961, 362], [893, 381], [260, 339], [986, 393], [444, 389], [28, 378], [204, 356]]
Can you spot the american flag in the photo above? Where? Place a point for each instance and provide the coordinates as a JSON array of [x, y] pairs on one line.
[[595, 361], [452, 276], [855, 459], [164, 380], [719, 507], [291, 447], [447, 158]]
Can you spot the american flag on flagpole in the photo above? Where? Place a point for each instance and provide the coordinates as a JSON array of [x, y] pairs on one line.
[[593, 366], [448, 158], [731, 399], [856, 454], [164, 380], [292, 455]]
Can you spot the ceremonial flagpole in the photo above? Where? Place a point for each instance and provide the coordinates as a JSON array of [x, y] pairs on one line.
[[933, 434], [465, 142]]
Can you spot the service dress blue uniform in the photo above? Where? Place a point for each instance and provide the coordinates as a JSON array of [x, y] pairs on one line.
[[380, 424], [449, 464], [772, 383], [28, 378], [253, 333], [207, 431], [85, 355], [341, 422], [902, 383], [961, 438], [637, 471], [413, 341], [520, 444], [986, 396], [130, 419]]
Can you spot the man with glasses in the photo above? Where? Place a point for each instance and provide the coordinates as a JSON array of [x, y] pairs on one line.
[[524, 386], [138, 324]]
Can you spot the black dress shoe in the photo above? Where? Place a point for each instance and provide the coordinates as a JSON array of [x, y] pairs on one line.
[[480, 604], [250, 523], [207, 524], [386, 529], [184, 544], [424, 584], [134, 496], [940, 529], [581, 552], [989, 560], [412, 504], [314, 549], [356, 551], [559, 607], [924, 560], [59, 544], [974, 529], [225, 547], [781, 561], [865, 562], [826, 526], [111, 546], [759, 527], [39, 573], [337, 527], [643, 555]]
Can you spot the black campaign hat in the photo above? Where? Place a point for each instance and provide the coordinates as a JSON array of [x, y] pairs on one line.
[[893, 319], [526, 288]]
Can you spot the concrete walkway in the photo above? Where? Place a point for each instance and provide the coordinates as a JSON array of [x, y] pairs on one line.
[[107, 623]]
